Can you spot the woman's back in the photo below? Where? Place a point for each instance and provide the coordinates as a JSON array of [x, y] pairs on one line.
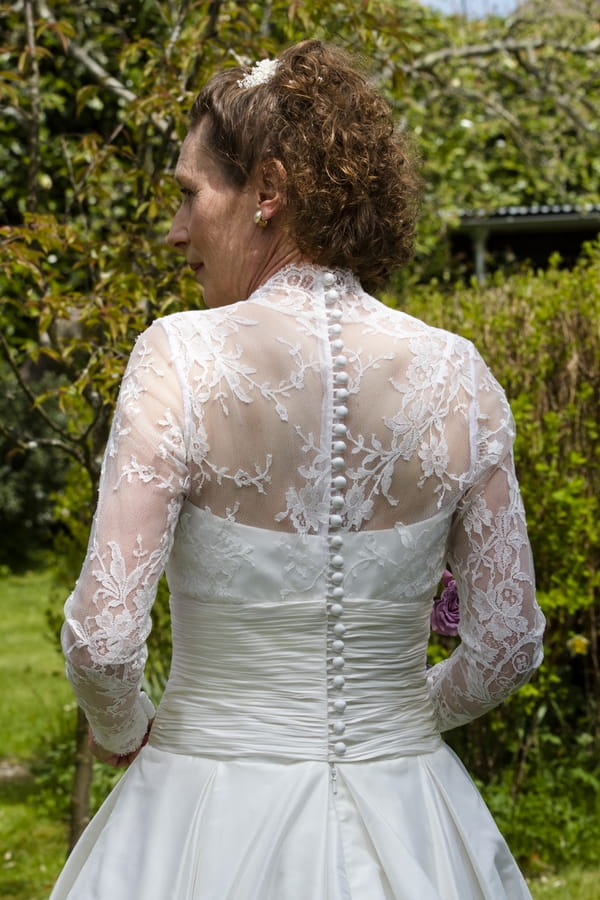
[[321, 457], [369, 447], [271, 386]]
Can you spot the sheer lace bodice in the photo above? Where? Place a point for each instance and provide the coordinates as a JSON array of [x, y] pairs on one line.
[[312, 418]]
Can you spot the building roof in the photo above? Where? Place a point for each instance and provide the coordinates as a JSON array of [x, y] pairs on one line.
[[536, 217]]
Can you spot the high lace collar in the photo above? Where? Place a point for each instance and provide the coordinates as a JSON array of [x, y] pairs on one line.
[[306, 278]]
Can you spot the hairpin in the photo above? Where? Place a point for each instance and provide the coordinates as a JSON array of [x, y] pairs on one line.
[[262, 71]]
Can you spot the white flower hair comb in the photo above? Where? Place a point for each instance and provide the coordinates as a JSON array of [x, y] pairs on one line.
[[262, 71]]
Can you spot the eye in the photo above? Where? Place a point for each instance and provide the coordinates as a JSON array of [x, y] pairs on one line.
[[186, 193]]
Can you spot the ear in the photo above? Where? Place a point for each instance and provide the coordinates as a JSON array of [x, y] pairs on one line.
[[271, 188]]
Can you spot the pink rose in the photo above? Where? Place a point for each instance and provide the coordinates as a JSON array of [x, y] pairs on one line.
[[445, 612]]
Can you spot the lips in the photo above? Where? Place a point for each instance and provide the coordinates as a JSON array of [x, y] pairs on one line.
[[196, 268]]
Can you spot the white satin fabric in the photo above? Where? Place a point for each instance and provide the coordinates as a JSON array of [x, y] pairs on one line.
[[240, 796], [252, 673], [196, 828]]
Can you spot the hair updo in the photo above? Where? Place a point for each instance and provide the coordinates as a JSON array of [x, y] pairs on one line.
[[351, 189]]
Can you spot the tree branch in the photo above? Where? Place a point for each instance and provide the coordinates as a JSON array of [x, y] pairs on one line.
[[34, 118], [96, 70], [470, 51], [27, 444], [213, 17], [6, 351], [265, 25], [177, 28], [87, 61], [550, 89]]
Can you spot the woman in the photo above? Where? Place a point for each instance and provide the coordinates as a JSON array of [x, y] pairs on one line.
[[303, 461]]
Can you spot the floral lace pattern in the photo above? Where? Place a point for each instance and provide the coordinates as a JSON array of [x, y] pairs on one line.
[[232, 410]]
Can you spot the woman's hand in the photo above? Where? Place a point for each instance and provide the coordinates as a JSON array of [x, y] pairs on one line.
[[119, 761]]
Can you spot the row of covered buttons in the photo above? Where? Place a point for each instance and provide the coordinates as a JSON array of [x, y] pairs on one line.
[[338, 485]]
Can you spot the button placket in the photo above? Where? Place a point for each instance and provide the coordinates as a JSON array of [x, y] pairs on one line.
[[337, 502]]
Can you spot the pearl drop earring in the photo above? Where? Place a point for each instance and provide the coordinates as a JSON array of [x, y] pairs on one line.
[[258, 219]]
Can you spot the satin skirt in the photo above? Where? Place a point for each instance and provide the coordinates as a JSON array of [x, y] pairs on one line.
[[182, 827]]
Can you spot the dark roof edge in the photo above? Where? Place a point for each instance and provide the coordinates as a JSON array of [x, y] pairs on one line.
[[535, 209]]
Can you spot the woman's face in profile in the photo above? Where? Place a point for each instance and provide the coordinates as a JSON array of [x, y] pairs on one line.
[[214, 226]]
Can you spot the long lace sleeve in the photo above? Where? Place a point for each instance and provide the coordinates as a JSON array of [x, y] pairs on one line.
[[501, 624], [143, 483]]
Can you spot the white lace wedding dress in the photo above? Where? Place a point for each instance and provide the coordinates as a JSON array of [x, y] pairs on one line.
[[304, 463]]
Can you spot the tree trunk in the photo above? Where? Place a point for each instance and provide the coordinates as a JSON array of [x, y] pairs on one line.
[[594, 700], [82, 781], [35, 109]]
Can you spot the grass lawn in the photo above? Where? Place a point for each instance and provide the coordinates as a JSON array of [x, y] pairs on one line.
[[576, 885], [32, 844], [33, 687], [35, 702], [34, 695]]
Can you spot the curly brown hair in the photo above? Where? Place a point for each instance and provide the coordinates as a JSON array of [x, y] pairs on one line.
[[351, 189]]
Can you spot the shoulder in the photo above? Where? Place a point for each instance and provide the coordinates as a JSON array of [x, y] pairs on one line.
[[204, 322], [160, 346], [419, 332], [197, 337], [181, 329], [461, 357], [180, 321]]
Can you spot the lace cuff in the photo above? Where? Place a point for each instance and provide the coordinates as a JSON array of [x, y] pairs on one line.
[[131, 735]]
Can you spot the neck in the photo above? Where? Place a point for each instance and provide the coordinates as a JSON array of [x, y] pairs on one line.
[[278, 258]]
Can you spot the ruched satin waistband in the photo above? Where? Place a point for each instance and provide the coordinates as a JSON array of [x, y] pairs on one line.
[[255, 680]]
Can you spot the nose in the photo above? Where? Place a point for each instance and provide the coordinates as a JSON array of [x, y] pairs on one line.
[[178, 237]]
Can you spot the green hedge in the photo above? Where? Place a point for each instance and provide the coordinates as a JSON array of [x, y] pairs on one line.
[[537, 755]]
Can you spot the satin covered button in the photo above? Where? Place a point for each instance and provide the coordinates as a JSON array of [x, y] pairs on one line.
[[337, 503], [339, 705], [328, 278]]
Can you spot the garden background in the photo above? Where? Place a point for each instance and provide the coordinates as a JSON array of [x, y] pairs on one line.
[[505, 111]]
